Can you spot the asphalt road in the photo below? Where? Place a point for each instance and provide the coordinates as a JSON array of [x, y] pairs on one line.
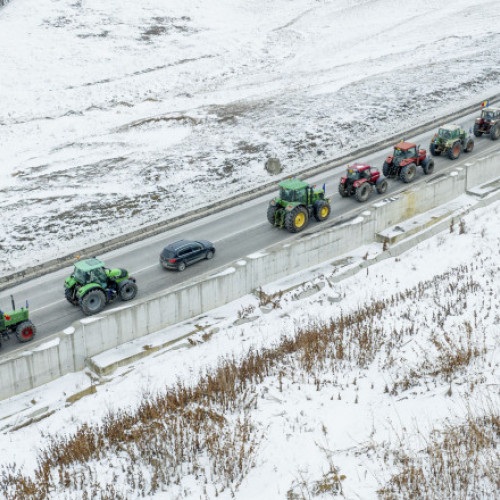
[[236, 232]]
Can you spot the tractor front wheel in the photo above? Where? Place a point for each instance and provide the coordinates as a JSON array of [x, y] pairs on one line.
[[469, 146], [93, 301], [321, 210], [408, 173], [127, 290], [386, 169], [455, 150], [69, 294], [477, 132], [25, 331], [433, 150], [343, 191], [271, 214], [296, 220], [381, 186], [495, 132], [428, 166], [362, 192]]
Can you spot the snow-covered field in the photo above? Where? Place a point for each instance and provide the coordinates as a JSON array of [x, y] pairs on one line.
[[385, 385], [115, 113]]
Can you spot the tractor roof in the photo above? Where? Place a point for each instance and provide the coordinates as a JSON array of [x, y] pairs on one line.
[[89, 264], [359, 166], [490, 108], [293, 184], [404, 146], [450, 126]]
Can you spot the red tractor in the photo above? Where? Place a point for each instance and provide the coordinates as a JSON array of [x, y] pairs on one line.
[[488, 123], [404, 161], [359, 181]]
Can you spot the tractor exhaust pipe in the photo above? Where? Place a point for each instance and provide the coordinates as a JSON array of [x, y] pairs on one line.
[[13, 303]]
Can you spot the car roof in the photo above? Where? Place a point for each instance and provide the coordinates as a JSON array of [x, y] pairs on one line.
[[89, 264], [178, 244], [404, 146], [449, 126]]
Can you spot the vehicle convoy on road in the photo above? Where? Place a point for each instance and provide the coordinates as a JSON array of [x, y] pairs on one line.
[[360, 181], [16, 322], [451, 140], [404, 161], [296, 203], [92, 285], [180, 254], [488, 123]]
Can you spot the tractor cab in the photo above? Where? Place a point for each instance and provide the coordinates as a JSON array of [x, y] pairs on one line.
[[449, 133], [405, 150], [490, 114], [90, 271]]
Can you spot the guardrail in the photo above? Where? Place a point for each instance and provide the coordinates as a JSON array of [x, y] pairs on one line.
[[69, 351], [193, 215]]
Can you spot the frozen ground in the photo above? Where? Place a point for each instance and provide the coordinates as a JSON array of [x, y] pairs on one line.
[[116, 113], [399, 391]]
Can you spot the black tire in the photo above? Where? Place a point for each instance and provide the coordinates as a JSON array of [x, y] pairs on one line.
[[428, 166], [25, 331], [181, 266], [433, 150], [363, 192], [495, 132], [469, 145], [477, 132], [296, 220], [381, 185], [93, 301], [68, 293], [455, 150], [408, 172], [271, 214], [343, 191], [209, 255], [322, 210], [386, 169], [128, 290]]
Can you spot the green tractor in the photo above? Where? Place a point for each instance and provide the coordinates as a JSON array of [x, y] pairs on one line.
[[17, 321], [296, 203], [451, 140], [92, 286]]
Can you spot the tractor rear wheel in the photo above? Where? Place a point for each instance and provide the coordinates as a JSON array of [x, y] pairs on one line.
[[296, 220], [455, 150], [386, 169], [408, 172], [381, 186], [321, 210], [477, 132], [363, 191], [433, 150], [495, 132], [25, 331], [271, 214], [93, 301], [68, 293], [343, 191], [469, 146], [127, 290], [428, 166]]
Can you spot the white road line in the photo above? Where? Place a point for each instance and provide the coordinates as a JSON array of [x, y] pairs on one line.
[[48, 305]]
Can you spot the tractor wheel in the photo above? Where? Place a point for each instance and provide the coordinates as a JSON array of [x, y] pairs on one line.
[[93, 301], [408, 172], [477, 132], [296, 220], [433, 150], [68, 293], [343, 191], [363, 191], [495, 132], [321, 210], [25, 331], [381, 185], [181, 266], [455, 150], [428, 166], [469, 146], [271, 214], [209, 255], [127, 290], [386, 169]]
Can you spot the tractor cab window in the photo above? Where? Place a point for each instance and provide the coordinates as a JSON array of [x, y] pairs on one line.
[[399, 153], [352, 174], [81, 276], [98, 275], [445, 134], [366, 173], [293, 195], [488, 115]]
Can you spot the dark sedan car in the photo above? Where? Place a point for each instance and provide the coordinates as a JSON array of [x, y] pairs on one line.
[[183, 253]]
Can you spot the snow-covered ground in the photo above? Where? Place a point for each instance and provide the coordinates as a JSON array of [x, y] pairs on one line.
[[114, 113], [383, 383]]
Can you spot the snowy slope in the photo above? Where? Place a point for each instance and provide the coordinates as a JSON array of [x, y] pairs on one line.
[[376, 386], [110, 110]]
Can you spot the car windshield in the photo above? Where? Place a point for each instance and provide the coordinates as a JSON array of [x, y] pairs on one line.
[[292, 194], [352, 174]]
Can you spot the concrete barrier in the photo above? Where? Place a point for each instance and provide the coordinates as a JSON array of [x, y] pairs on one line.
[[69, 350]]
